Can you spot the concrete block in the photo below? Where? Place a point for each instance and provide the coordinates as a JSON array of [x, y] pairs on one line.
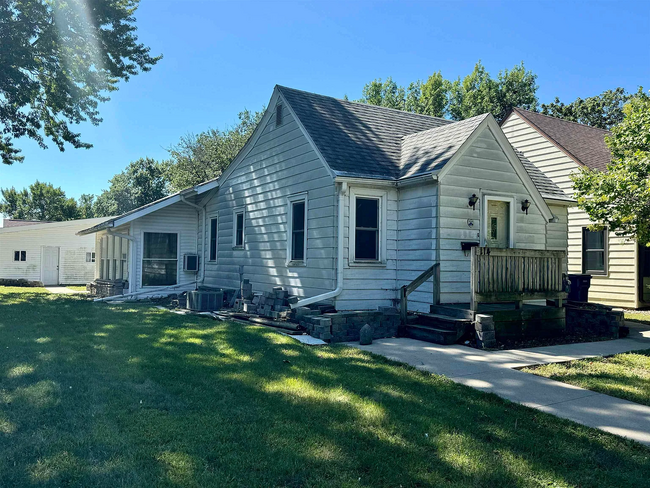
[[293, 300]]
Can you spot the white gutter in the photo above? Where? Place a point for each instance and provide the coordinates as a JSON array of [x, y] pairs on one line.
[[202, 209], [339, 273]]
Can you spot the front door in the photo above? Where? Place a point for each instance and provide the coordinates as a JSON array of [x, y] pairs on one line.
[[50, 265], [644, 273], [498, 224]]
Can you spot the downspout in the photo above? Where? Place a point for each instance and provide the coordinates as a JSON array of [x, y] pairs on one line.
[[343, 191], [202, 209]]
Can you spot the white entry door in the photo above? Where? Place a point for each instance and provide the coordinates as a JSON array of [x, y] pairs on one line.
[[50, 265], [498, 224]]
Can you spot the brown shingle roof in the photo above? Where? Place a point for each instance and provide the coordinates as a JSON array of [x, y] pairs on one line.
[[582, 143]]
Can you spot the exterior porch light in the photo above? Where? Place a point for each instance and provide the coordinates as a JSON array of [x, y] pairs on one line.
[[525, 205], [473, 200]]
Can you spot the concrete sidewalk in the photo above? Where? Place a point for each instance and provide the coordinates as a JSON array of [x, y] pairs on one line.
[[494, 372], [62, 290]]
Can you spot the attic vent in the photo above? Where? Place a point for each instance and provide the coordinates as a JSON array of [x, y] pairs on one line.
[[278, 115]]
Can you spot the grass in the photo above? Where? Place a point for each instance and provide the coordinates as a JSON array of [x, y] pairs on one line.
[[94, 394], [625, 376], [77, 287], [641, 317]]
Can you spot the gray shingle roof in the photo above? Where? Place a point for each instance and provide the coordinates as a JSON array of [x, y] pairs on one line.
[[428, 151], [584, 144], [357, 139], [544, 184], [378, 142]]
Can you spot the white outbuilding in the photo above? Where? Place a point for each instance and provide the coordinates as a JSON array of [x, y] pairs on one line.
[[47, 252]]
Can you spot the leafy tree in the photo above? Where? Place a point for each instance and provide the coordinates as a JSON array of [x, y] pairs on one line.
[[59, 60], [85, 206], [42, 201], [603, 111], [199, 158], [620, 197], [478, 93], [475, 94], [142, 182]]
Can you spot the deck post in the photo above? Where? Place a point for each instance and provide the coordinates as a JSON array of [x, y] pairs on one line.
[[403, 305]]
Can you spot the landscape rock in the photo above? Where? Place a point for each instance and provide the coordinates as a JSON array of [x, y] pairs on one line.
[[365, 335]]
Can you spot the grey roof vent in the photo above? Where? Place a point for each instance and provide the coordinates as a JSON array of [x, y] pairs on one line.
[[278, 115]]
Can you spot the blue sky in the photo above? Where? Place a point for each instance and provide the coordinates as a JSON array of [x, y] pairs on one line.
[[222, 56]]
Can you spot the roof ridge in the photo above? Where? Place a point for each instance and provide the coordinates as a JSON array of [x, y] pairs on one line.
[[455, 122], [370, 105], [517, 109]]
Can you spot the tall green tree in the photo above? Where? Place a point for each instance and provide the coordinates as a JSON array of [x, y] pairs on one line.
[[475, 94], [143, 181], [85, 206], [620, 197], [199, 158], [41, 201], [59, 60], [603, 111]]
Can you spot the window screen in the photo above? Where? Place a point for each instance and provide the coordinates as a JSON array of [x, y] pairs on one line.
[[213, 239], [298, 231], [160, 259], [594, 251], [366, 246]]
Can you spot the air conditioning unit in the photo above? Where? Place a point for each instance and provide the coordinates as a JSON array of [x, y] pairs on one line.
[[204, 301], [191, 263]]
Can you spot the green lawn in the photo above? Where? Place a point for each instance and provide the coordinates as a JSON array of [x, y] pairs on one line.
[[641, 317], [77, 287], [94, 394], [623, 375]]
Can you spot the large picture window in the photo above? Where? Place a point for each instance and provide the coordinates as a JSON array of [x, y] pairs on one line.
[[213, 239], [160, 259], [594, 251], [297, 229]]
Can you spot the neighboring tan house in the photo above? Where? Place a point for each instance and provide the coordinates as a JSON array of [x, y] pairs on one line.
[[620, 269], [47, 252], [343, 202]]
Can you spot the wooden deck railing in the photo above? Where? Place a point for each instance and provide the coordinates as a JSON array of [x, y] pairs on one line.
[[514, 275]]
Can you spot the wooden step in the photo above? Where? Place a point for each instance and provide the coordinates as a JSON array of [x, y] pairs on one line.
[[440, 321], [431, 334], [460, 313]]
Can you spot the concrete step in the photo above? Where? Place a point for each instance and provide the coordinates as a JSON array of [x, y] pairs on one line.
[[432, 334], [452, 311], [444, 322]]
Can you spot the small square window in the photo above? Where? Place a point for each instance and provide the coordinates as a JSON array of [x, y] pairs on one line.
[[90, 257], [20, 255]]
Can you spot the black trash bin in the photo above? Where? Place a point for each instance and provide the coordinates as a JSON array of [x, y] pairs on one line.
[[580, 284]]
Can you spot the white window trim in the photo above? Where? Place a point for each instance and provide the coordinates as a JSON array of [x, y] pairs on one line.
[[604, 273], [216, 251], [91, 255], [382, 196], [298, 197], [19, 256], [236, 211], [498, 198], [179, 262]]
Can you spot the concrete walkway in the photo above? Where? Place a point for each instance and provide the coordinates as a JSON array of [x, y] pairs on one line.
[[62, 290], [494, 372]]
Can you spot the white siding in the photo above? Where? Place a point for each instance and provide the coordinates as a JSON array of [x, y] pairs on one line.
[[366, 287], [416, 245], [484, 169], [179, 218], [73, 268], [281, 163], [619, 288]]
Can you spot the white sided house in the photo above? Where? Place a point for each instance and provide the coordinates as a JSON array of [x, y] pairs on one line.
[[620, 269], [47, 252], [345, 202]]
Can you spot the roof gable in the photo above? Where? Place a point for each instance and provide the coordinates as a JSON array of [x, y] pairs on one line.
[[582, 143], [357, 139]]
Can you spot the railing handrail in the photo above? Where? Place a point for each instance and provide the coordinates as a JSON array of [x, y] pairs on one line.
[[505, 275], [406, 290]]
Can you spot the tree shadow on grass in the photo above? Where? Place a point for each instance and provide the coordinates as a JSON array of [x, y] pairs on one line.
[[127, 395]]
